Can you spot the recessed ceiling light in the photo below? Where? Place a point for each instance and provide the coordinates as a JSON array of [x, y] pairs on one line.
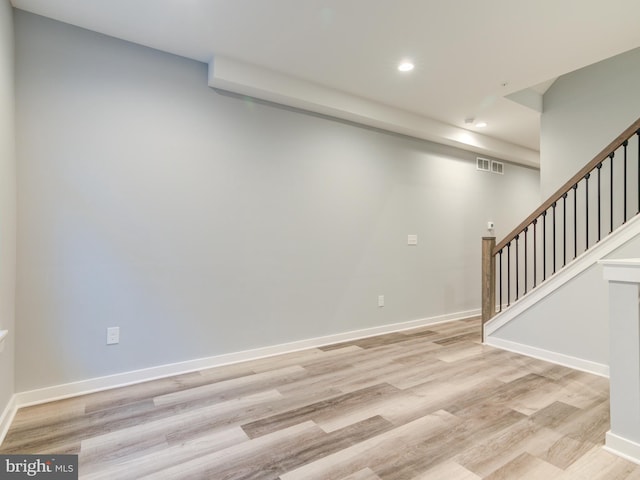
[[481, 124], [406, 66]]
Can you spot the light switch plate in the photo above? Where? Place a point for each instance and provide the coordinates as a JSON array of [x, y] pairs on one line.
[[412, 239], [113, 335]]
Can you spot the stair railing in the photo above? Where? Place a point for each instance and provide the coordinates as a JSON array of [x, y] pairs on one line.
[[601, 197]]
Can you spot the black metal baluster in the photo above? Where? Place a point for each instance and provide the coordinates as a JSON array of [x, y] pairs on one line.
[[575, 220], [554, 236], [535, 252], [586, 209], [517, 267], [500, 274], [638, 135], [599, 167], [564, 229], [508, 274], [611, 155], [526, 229], [544, 245], [624, 208]]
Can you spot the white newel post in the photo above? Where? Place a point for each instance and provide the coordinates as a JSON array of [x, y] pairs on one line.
[[624, 356]]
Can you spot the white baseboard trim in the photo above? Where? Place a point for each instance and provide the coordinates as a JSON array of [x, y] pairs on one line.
[[59, 392], [627, 449], [553, 357], [7, 417]]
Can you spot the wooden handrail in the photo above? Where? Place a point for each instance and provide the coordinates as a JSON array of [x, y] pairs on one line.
[[600, 157]]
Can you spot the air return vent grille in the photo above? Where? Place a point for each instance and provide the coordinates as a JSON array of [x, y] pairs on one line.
[[497, 167], [483, 164]]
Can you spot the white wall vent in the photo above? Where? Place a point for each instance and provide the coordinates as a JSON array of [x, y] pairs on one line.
[[483, 164], [497, 167]]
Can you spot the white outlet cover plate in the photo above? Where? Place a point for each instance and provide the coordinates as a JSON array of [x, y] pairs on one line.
[[412, 239]]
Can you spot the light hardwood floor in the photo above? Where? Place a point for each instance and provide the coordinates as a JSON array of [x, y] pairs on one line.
[[431, 403]]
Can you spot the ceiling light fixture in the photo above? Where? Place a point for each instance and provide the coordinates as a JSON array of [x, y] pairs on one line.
[[406, 66], [481, 124]]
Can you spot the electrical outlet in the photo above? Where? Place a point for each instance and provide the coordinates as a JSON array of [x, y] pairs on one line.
[[381, 300], [412, 239], [113, 335]]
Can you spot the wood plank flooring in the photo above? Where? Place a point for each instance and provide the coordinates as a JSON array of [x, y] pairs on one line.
[[430, 403]]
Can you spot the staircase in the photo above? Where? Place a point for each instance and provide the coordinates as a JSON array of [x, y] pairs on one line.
[[555, 250]]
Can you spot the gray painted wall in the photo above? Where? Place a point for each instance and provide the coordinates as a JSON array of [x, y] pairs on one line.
[[7, 201], [583, 112], [204, 224]]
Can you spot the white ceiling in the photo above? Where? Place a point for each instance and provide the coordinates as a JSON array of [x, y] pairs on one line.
[[339, 56]]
